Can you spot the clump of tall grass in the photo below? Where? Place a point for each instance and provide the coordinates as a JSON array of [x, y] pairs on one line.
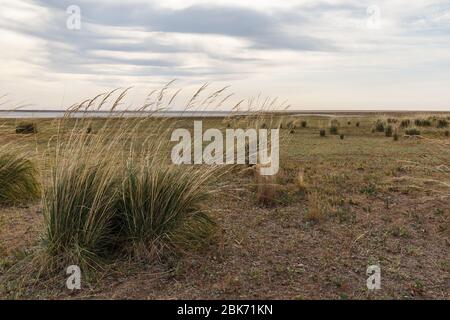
[[379, 126], [266, 188], [117, 192], [18, 177], [160, 207], [389, 131], [422, 122], [405, 123], [316, 208], [395, 136], [300, 181]]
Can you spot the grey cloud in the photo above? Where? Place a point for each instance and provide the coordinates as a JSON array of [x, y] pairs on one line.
[[72, 51]]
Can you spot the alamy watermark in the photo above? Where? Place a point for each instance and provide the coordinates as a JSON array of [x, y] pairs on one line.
[[73, 282], [249, 144], [73, 21], [374, 280]]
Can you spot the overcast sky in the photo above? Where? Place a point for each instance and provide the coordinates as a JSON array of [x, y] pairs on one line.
[[316, 54]]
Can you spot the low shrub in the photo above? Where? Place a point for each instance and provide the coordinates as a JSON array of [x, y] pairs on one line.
[[422, 122], [396, 136], [405, 123], [412, 132], [334, 130], [379, 126], [26, 128], [322, 133], [442, 123]]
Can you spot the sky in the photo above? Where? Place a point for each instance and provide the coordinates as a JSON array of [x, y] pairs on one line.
[[317, 55]]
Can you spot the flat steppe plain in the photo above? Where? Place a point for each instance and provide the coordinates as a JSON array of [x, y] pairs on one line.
[[377, 211]]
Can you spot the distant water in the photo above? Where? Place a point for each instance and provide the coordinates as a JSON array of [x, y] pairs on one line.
[[50, 114], [42, 114]]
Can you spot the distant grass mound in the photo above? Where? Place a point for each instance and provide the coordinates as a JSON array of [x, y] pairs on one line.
[[412, 132]]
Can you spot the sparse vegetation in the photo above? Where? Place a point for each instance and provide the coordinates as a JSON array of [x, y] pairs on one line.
[[115, 193]]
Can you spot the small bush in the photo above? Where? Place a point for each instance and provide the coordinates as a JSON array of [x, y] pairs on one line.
[[18, 179], [334, 130], [304, 124], [349, 123], [26, 128], [322, 132], [405, 123], [342, 136], [442, 123], [395, 136], [422, 122], [357, 124], [388, 131], [412, 132], [379, 126]]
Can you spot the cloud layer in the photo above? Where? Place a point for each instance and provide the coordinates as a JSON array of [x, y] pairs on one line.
[[362, 54]]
